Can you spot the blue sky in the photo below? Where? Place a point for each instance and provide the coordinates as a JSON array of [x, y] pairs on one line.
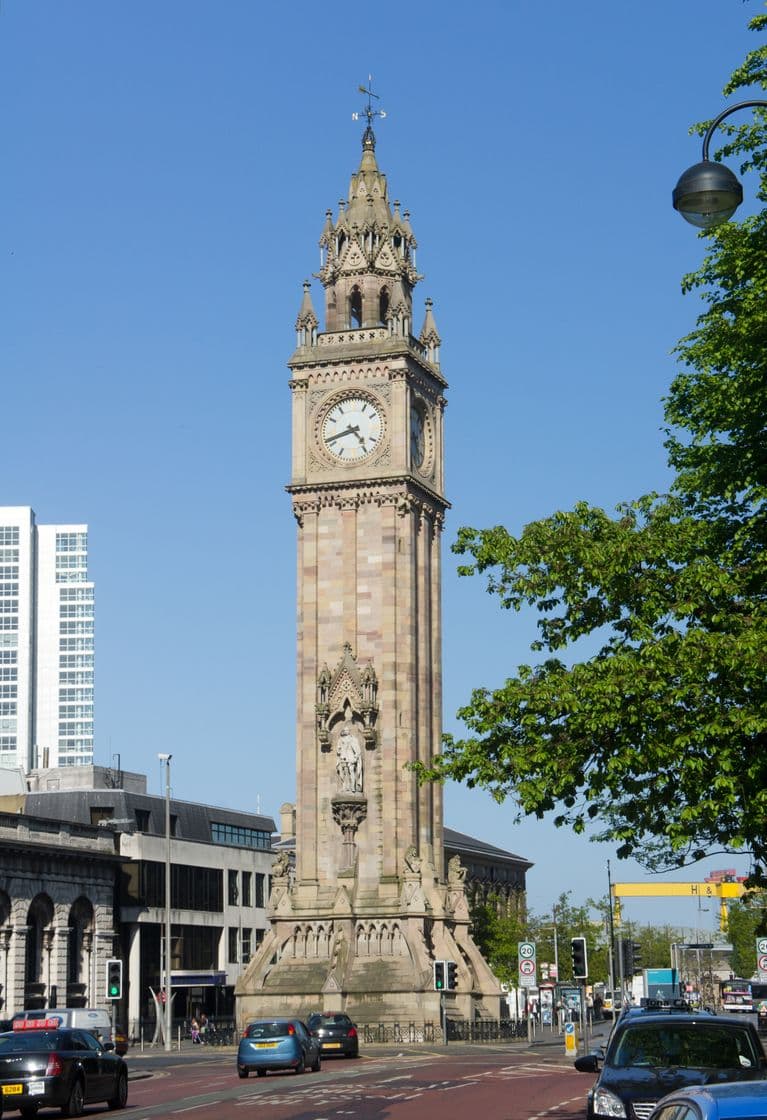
[[167, 167]]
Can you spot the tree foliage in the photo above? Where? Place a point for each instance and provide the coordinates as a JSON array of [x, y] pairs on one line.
[[747, 921], [658, 740]]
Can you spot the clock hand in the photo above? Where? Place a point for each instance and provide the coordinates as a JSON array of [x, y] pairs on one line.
[[346, 432]]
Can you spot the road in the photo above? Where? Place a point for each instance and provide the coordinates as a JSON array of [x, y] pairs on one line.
[[464, 1083]]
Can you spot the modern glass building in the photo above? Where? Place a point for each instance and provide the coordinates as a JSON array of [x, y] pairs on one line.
[[46, 643]]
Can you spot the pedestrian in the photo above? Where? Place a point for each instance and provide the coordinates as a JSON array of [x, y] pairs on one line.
[[195, 1031]]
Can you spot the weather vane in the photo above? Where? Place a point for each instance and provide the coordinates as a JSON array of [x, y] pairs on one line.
[[369, 112]]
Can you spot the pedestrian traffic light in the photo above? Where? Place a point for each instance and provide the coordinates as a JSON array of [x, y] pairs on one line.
[[114, 971], [451, 980], [580, 961], [439, 976]]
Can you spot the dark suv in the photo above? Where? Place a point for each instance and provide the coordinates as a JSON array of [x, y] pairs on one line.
[[652, 1052]]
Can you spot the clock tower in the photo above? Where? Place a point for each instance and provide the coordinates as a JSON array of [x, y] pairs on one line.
[[369, 906]]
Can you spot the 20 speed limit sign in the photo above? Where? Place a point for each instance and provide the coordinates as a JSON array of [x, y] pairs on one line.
[[761, 946], [526, 950]]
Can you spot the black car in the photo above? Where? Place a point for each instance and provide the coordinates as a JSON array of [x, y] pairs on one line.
[[55, 1068], [651, 1053], [336, 1032]]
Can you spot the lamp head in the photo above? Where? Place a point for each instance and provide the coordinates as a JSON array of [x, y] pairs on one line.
[[707, 194], [165, 757]]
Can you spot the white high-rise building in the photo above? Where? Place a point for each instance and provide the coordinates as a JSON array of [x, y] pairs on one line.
[[46, 643]]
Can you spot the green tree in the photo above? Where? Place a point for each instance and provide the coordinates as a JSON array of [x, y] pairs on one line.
[[747, 921], [659, 740]]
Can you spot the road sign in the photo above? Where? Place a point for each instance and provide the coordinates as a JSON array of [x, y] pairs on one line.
[[571, 1042], [761, 963], [527, 973], [526, 950], [761, 945]]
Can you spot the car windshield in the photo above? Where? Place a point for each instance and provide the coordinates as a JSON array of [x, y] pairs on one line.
[[271, 1029], [692, 1046], [329, 1021], [19, 1041]]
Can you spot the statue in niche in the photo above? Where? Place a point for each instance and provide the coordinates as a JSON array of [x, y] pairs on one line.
[[348, 757]]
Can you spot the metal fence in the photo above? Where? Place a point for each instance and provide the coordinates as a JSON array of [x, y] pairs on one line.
[[484, 1030], [225, 1032]]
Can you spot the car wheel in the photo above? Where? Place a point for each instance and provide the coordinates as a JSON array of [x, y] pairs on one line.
[[28, 1111], [317, 1064], [261, 1072], [301, 1067], [242, 1072], [74, 1106], [120, 1099]]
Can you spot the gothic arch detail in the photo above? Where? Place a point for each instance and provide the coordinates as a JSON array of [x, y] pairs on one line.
[[346, 695]]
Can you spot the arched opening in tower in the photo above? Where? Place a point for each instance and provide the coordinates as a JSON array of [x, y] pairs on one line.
[[355, 307]]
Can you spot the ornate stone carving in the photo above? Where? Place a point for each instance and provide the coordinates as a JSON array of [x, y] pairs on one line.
[[347, 701], [349, 811], [348, 757]]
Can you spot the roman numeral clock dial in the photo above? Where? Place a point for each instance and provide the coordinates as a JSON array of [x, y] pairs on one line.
[[352, 429]]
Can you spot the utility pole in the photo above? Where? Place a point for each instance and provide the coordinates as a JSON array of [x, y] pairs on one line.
[[167, 1006]]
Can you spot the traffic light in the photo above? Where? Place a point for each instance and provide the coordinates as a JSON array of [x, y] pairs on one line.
[[451, 980], [114, 979], [627, 950], [439, 976], [631, 956], [580, 960]]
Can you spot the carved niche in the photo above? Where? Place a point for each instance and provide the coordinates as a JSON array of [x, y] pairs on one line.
[[348, 694]]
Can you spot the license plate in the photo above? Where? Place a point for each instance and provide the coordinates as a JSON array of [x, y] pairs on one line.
[[12, 1090], [265, 1045], [331, 1045]]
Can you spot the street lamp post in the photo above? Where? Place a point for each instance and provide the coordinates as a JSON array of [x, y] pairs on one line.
[[167, 1020], [708, 193]]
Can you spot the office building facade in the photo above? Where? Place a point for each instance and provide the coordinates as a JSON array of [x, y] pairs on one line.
[[46, 643]]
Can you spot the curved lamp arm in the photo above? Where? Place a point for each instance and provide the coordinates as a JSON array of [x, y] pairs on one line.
[[708, 193]]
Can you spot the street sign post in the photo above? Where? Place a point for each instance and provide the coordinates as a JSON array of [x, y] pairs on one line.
[[761, 958]]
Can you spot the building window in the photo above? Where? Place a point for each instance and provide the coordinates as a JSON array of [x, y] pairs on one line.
[[260, 889], [234, 890], [101, 813], [143, 817], [247, 935], [238, 837], [247, 888], [233, 938], [259, 936]]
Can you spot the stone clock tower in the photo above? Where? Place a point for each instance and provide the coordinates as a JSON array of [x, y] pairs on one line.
[[357, 924]]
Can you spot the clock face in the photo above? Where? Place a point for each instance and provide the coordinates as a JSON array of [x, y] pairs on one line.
[[417, 438], [352, 429]]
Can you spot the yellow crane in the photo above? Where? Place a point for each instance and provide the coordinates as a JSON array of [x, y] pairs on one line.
[[724, 891]]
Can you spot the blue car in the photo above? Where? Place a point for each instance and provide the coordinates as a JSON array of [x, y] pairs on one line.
[[737, 1100], [277, 1044]]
